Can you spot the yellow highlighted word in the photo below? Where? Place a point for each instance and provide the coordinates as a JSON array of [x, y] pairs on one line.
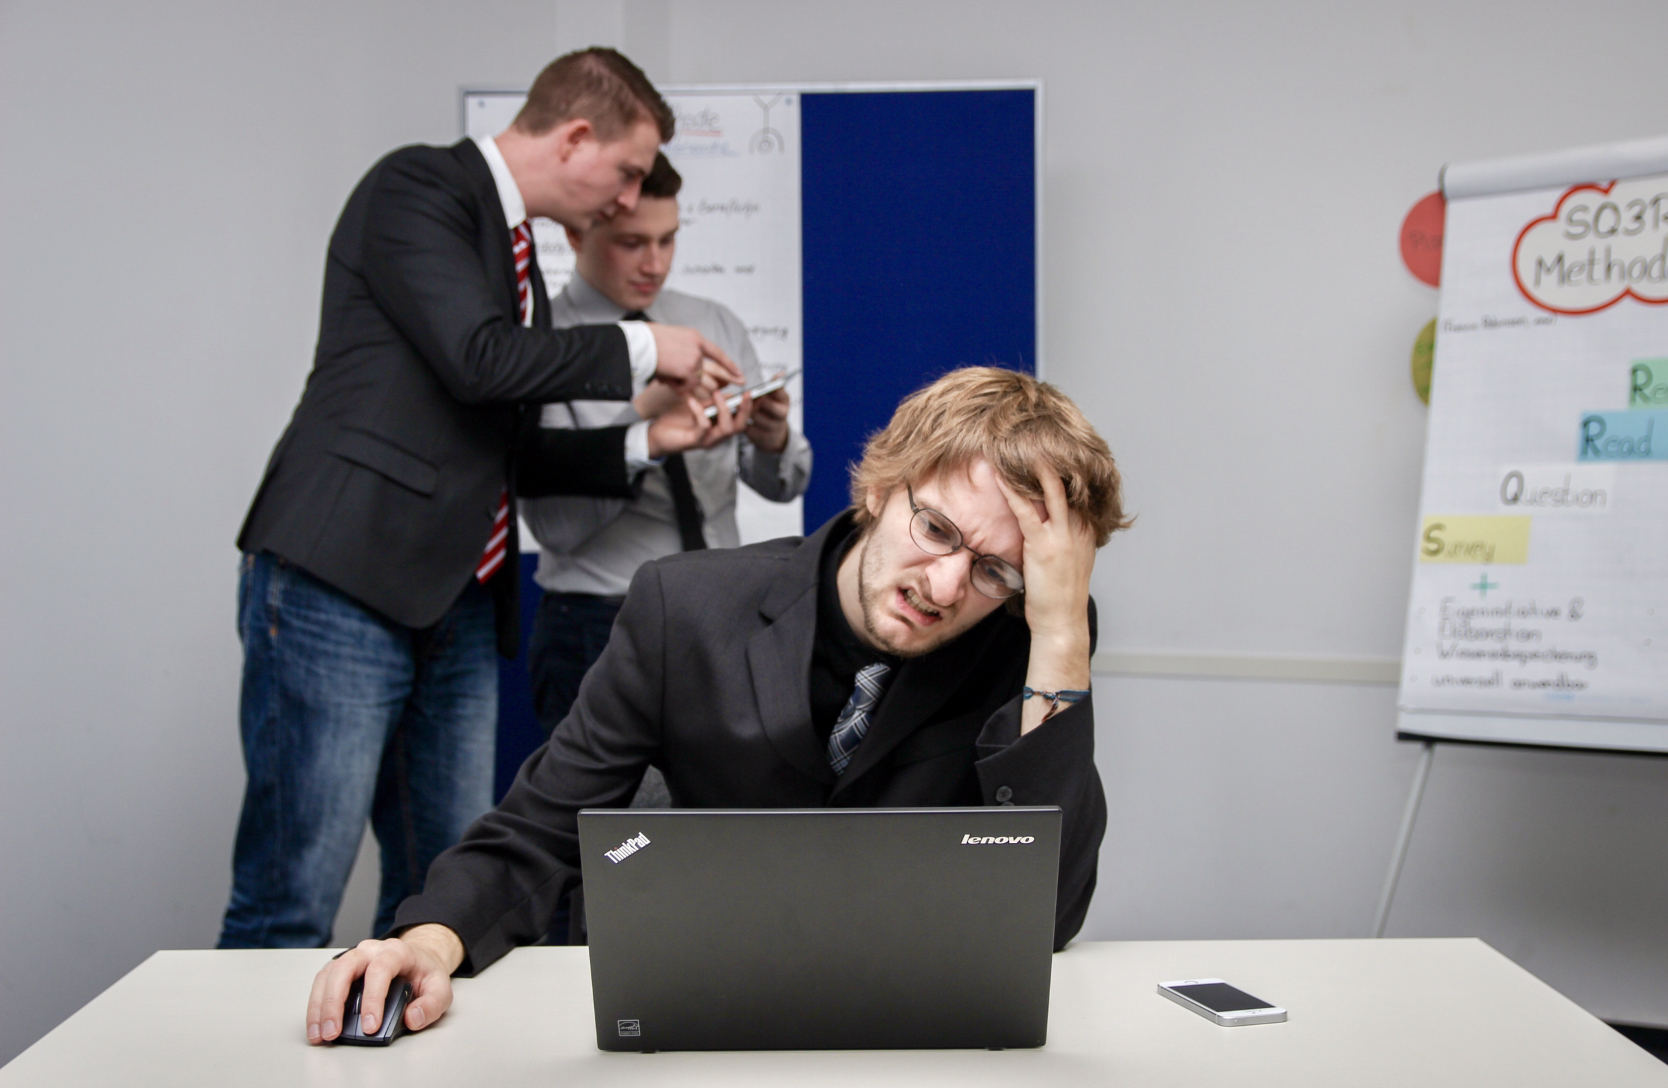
[[1474, 540]]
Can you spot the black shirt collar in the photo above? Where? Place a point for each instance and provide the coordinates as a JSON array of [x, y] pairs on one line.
[[837, 653]]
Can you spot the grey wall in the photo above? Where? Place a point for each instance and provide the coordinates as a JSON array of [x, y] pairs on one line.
[[1224, 186]]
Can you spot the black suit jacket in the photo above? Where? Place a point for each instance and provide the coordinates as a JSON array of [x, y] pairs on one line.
[[707, 677], [386, 481]]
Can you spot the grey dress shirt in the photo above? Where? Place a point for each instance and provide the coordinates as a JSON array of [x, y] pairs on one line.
[[590, 545]]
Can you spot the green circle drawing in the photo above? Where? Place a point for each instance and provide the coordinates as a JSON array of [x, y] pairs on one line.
[[1424, 350]]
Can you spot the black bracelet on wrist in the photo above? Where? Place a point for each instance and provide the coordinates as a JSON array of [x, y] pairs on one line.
[[1055, 698]]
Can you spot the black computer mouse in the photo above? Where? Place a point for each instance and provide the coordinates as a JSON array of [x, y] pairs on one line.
[[393, 1015]]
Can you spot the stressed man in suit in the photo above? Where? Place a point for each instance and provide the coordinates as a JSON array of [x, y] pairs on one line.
[[928, 647], [379, 551]]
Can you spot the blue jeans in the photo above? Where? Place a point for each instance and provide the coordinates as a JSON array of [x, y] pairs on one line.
[[346, 716], [569, 632]]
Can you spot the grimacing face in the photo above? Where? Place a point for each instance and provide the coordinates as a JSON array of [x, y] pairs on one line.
[[913, 602], [628, 257]]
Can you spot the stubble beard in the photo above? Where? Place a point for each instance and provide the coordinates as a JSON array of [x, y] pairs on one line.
[[868, 597]]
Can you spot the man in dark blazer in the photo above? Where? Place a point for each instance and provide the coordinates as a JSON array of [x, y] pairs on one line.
[[871, 664], [380, 549]]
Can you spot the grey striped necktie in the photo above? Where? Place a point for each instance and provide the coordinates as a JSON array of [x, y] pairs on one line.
[[853, 721]]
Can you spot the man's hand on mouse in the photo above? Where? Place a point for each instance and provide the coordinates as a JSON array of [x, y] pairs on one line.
[[425, 955]]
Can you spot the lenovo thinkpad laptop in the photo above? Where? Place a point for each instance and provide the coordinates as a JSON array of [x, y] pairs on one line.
[[820, 929]]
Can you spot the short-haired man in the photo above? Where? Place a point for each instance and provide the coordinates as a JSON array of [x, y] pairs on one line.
[[372, 591], [591, 547], [735, 672]]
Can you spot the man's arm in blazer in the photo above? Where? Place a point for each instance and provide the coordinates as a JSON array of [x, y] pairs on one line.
[[1053, 764], [424, 266], [499, 886], [589, 461], [565, 461]]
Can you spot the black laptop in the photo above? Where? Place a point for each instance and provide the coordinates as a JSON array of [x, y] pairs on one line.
[[820, 929]]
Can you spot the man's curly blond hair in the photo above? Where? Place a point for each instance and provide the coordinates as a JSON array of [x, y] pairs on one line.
[[1011, 420]]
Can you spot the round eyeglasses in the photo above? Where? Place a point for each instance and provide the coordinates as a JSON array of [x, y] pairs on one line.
[[936, 534]]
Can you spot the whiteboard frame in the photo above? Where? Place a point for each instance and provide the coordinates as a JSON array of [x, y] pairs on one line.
[[1038, 163]]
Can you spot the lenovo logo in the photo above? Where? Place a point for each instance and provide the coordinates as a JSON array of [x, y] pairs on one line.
[[627, 848], [991, 840]]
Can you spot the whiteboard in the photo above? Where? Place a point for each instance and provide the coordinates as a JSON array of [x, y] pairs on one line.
[[1539, 607]]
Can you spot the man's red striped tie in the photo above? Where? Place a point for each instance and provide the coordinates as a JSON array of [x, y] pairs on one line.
[[522, 247]]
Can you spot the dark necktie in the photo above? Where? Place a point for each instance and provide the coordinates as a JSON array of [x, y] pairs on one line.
[[685, 506], [853, 722]]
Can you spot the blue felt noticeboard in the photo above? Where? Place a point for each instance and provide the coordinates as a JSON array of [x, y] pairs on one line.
[[919, 222], [919, 255]]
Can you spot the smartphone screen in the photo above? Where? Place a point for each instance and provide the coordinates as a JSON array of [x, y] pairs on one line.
[[733, 401], [1220, 997]]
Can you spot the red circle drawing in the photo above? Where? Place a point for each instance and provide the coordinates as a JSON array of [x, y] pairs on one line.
[[1422, 238]]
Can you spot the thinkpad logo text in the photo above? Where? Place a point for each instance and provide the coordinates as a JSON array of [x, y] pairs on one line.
[[627, 848]]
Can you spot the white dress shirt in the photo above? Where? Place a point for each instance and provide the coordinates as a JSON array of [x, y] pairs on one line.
[[639, 340]]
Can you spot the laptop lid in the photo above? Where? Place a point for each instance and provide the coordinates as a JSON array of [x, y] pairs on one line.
[[820, 928]]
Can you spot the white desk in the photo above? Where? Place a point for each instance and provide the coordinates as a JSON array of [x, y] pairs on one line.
[[1394, 1013]]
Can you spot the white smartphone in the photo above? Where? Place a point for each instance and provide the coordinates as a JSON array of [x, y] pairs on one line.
[[733, 401], [1221, 1003]]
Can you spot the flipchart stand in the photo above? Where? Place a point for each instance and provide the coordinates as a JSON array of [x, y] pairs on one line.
[[1421, 774]]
